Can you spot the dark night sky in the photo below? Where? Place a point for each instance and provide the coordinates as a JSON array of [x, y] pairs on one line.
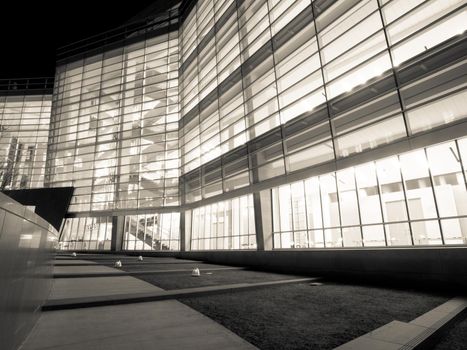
[[30, 31]]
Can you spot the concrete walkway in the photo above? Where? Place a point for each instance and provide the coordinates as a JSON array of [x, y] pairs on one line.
[[73, 262], [156, 325], [67, 288], [166, 324], [85, 269]]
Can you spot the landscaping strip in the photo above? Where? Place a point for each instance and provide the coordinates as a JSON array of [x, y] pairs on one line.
[[310, 316]]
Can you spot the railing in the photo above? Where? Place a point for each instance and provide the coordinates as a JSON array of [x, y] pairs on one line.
[[147, 239], [27, 84], [27, 246], [119, 34]]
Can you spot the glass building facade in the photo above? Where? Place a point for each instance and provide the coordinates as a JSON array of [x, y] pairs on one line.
[[152, 232], [91, 233], [408, 199], [114, 128], [24, 132], [306, 83], [269, 124], [228, 224], [114, 134]]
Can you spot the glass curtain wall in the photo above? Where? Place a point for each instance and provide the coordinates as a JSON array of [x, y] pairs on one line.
[[114, 129], [229, 92], [260, 89], [224, 225], [416, 198], [86, 233], [24, 132], [307, 82], [152, 232]]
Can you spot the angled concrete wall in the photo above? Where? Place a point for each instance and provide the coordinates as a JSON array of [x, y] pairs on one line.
[[27, 245]]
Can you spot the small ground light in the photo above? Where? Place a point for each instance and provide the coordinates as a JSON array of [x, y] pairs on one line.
[[195, 272], [118, 263], [315, 284]]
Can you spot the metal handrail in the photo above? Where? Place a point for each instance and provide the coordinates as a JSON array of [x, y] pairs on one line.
[[26, 83], [117, 34]]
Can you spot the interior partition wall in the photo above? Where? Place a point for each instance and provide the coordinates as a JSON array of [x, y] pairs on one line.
[[24, 131]]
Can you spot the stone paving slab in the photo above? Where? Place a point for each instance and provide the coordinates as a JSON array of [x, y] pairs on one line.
[[64, 288], [84, 269], [365, 343], [165, 324], [394, 335], [441, 314], [396, 332], [73, 262], [155, 325]]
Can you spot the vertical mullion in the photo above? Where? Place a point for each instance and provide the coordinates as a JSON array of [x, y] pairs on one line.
[[461, 162], [322, 214], [434, 195], [404, 189], [396, 78], [358, 206], [328, 107], [306, 214], [380, 198]]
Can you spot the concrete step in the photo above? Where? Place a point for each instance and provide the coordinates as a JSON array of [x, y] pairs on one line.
[[74, 303], [411, 335], [133, 273]]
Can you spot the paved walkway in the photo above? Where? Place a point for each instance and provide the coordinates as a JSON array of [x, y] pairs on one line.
[[84, 269], [73, 262], [65, 288], [166, 324]]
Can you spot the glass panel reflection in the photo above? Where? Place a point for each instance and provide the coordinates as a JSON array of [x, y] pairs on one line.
[[24, 131], [86, 233]]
